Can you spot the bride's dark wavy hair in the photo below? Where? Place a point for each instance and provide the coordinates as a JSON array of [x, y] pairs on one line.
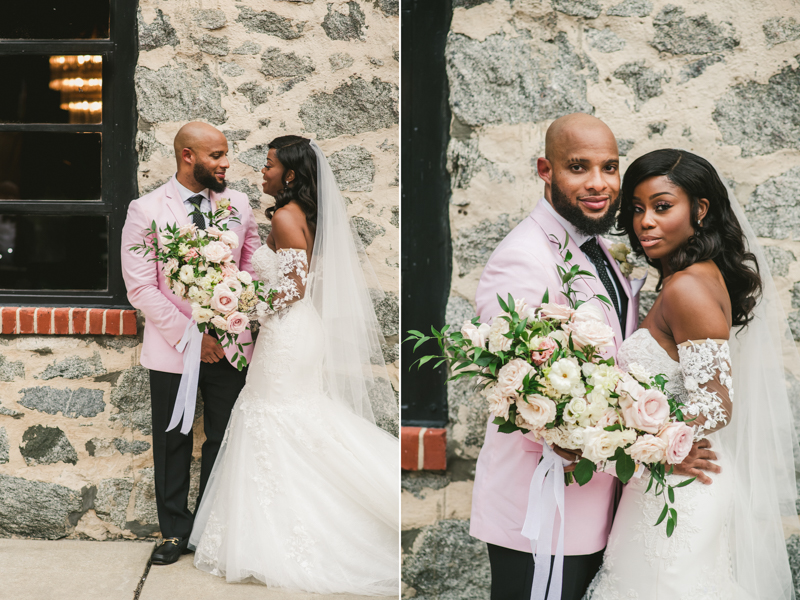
[[296, 154], [720, 238]]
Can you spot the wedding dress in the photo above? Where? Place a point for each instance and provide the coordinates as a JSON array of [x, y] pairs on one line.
[[640, 561]]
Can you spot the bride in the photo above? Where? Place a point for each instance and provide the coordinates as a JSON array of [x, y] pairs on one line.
[[305, 491], [729, 540]]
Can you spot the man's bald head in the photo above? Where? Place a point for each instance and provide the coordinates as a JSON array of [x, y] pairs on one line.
[[196, 135], [576, 129], [201, 152]]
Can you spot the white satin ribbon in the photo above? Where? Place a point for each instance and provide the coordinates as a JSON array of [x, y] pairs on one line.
[[191, 343], [545, 500]]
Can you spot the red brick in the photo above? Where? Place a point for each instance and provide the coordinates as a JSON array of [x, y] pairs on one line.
[[43, 320], [79, 320], [26, 320], [113, 319], [95, 321], [9, 319], [435, 444], [409, 448], [61, 321], [129, 322]]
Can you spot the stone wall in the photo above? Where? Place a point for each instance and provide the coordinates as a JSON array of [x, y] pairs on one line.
[[717, 77], [75, 445]]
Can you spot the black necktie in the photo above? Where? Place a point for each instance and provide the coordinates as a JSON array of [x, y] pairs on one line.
[[197, 216], [592, 250]]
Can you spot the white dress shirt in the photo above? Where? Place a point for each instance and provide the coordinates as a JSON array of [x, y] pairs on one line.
[[205, 204]]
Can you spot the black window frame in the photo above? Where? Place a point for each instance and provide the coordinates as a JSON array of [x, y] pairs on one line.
[[118, 154]]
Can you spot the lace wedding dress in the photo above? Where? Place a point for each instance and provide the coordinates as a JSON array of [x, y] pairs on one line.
[[640, 561], [304, 493]]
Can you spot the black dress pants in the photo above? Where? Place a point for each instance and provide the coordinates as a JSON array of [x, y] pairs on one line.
[[220, 384], [512, 573]]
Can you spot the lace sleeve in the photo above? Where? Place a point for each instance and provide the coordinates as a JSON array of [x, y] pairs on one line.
[[291, 284], [706, 367]]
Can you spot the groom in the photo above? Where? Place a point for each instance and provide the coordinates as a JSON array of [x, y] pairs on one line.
[[199, 183], [581, 174]]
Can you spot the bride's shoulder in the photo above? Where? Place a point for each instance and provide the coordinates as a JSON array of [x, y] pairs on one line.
[[288, 227], [693, 304]]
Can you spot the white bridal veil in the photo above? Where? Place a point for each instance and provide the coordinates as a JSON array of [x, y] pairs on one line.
[[761, 439], [354, 368]]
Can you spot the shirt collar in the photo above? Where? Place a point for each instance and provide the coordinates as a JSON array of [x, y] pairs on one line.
[[574, 234], [186, 193]]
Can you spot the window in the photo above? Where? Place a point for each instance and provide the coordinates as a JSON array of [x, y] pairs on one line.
[[67, 157]]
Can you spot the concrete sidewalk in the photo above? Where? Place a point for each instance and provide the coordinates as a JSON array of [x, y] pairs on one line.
[[86, 570]]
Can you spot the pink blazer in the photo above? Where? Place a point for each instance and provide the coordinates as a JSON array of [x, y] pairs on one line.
[[165, 314], [524, 265]]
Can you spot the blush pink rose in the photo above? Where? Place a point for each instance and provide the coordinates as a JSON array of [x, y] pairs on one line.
[[186, 229], [220, 322], [237, 323], [230, 270], [648, 413], [543, 350], [192, 253], [230, 238], [234, 285], [224, 300], [213, 232], [679, 438], [556, 311], [648, 449], [217, 252]]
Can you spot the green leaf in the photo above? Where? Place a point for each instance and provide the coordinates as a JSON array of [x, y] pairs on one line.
[[603, 299], [546, 297], [671, 494], [625, 465], [568, 256], [502, 304], [663, 514], [683, 483], [508, 427], [498, 420], [511, 305], [584, 471], [670, 527]]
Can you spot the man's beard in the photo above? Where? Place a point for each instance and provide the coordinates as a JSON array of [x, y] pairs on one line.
[[205, 177], [572, 212]]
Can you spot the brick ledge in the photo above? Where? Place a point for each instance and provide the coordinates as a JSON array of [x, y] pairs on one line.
[[37, 320], [423, 449]]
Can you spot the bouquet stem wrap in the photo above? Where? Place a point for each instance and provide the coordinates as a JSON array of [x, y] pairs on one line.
[[545, 500], [191, 343]]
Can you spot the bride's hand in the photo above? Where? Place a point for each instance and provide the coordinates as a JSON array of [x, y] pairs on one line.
[[699, 460]]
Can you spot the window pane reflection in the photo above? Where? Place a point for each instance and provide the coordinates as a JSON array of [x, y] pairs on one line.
[[55, 19], [49, 252], [50, 166]]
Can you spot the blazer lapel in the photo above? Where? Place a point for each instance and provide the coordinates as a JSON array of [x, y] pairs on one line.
[[175, 203]]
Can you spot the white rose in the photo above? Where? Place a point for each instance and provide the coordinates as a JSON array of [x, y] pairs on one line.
[[244, 277], [575, 440], [559, 336], [498, 404], [520, 307], [598, 445], [200, 314], [219, 322], [560, 312], [619, 251], [187, 229], [234, 285], [589, 312], [186, 274], [497, 341], [224, 203], [557, 436], [171, 266], [510, 377], [536, 410], [639, 372], [610, 417], [229, 237], [590, 333], [476, 335], [588, 369], [648, 449], [575, 408], [217, 252], [178, 288], [564, 374]]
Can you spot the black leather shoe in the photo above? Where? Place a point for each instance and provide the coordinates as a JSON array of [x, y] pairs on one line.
[[169, 551]]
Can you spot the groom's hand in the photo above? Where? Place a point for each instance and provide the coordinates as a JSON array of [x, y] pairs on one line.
[[572, 455], [211, 351], [699, 460]]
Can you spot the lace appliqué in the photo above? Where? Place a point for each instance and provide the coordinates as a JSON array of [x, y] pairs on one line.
[[292, 273], [703, 363]]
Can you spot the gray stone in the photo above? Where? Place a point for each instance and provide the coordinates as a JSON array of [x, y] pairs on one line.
[[644, 81], [793, 549], [194, 482], [376, 61], [37, 509], [255, 157], [144, 511], [385, 406], [354, 168], [794, 324], [236, 135], [509, 80], [179, 94], [11, 369], [211, 44], [458, 311], [604, 40], [464, 161], [263, 231], [248, 47], [231, 69], [367, 230], [4, 449], [448, 564], [253, 192], [289, 84], [390, 8], [82, 402], [46, 446], [10, 412], [391, 352], [387, 310], [275, 63], [578, 8], [698, 67], [157, 34], [111, 501], [773, 211], [99, 447], [264, 123], [778, 260], [472, 246], [354, 107], [146, 188], [210, 18], [778, 30], [631, 8], [625, 146], [656, 128], [646, 300], [270, 23], [340, 60], [131, 398], [395, 218], [678, 34], [147, 144], [469, 3], [256, 94], [762, 117], [135, 447], [75, 367], [339, 26]]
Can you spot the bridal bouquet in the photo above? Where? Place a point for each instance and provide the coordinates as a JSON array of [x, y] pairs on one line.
[[198, 266], [543, 372]]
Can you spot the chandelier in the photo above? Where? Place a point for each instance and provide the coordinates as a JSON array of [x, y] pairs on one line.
[[80, 81]]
